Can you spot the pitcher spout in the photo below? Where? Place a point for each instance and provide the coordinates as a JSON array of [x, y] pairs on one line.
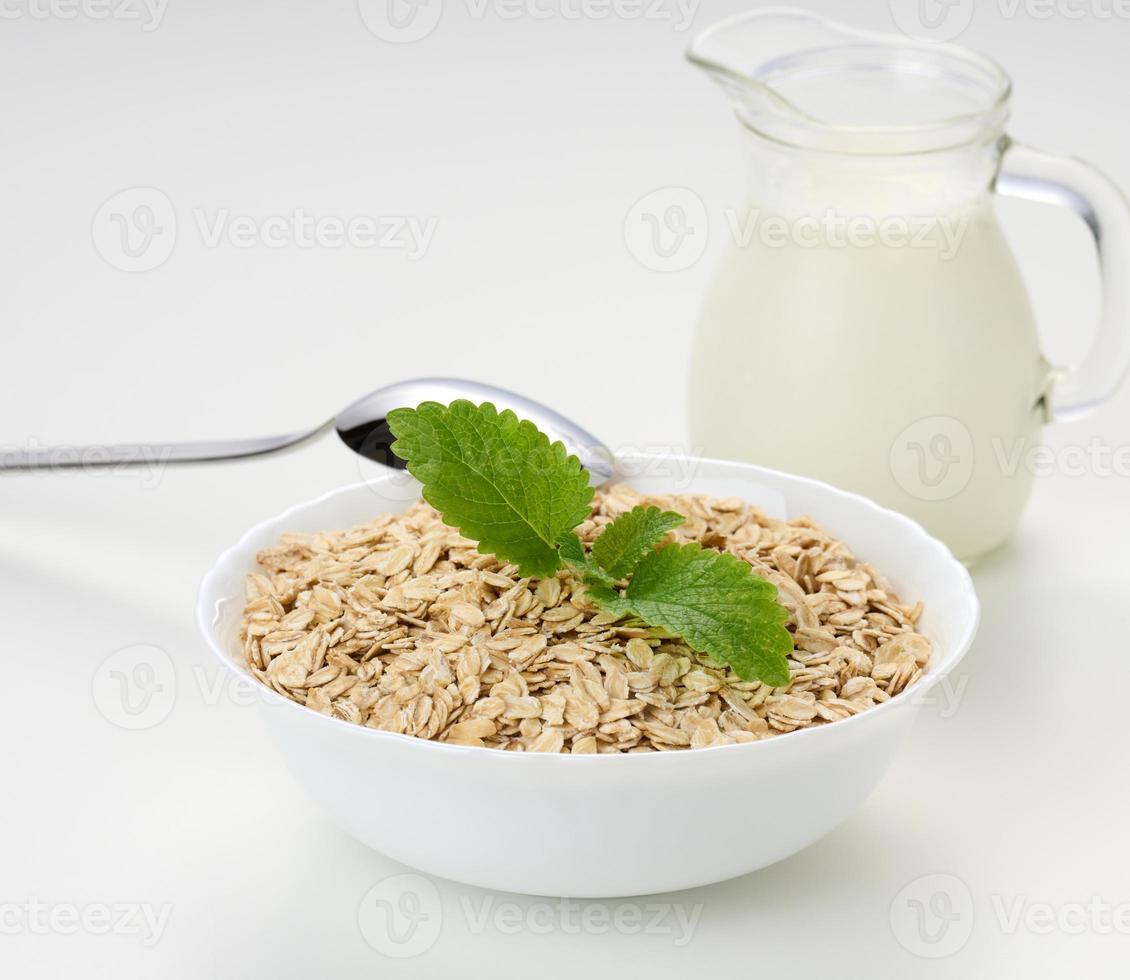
[[797, 78]]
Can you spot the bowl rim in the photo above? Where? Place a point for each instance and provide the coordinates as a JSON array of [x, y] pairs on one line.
[[206, 615]]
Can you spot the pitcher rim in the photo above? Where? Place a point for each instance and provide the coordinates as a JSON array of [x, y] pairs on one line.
[[983, 124]]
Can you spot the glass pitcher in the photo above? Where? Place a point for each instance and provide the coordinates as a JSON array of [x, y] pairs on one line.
[[868, 325]]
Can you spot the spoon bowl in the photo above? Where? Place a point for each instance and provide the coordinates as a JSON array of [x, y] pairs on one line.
[[363, 426]]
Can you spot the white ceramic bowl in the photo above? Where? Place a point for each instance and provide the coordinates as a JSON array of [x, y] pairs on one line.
[[606, 825]]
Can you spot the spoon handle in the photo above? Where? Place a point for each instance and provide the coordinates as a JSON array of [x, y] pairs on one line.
[[149, 454]]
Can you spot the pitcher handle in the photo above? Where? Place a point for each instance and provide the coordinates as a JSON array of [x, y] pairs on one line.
[[1038, 176]]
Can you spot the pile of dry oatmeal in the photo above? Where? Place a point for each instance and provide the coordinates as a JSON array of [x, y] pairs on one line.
[[400, 624]]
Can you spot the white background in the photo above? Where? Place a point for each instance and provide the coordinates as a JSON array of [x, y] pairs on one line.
[[528, 140]]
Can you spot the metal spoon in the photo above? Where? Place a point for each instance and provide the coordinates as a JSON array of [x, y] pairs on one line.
[[362, 426]]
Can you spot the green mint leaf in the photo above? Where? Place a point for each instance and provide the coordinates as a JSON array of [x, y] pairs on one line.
[[627, 539], [604, 594], [496, 479], [716, 603], [572, 550], [504, 485]]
